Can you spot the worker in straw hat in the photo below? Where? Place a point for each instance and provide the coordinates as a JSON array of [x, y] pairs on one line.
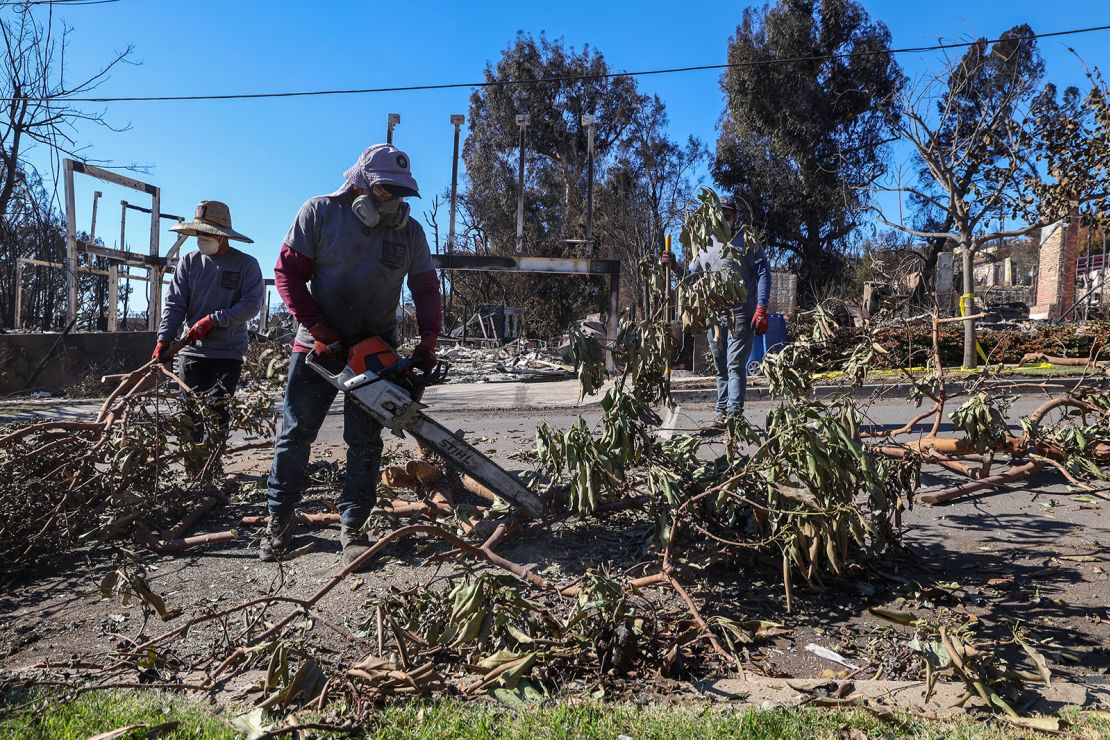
[[215, 291], [340, 272]]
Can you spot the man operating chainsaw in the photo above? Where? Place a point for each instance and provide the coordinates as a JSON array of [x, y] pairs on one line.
[[340, 273]]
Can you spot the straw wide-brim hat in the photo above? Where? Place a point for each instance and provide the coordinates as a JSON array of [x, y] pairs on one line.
[[213, 218]]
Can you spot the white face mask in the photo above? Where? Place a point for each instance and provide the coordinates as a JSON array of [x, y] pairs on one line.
[[208, 245]]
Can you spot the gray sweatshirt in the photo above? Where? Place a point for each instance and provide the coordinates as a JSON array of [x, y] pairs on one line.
[[752, 265], [228, 287]]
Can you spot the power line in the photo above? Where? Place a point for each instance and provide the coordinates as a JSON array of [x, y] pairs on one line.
[[66, 3], [544, 80]]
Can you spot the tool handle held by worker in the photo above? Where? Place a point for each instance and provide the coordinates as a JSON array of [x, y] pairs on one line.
[[668, 260], [386, 364], [167, 354]]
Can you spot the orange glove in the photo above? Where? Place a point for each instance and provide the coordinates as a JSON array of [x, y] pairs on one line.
[[759, 321], [202, 328], [424, 356], [162, 351]]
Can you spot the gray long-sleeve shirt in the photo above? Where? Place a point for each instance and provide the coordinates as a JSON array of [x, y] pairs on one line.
[[752, 265], [230, 288]]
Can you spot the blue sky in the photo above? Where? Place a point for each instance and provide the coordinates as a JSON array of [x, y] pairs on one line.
[[265, 157]]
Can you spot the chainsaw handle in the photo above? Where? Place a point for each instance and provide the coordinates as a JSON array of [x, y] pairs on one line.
[[313, 360], [418, 377]]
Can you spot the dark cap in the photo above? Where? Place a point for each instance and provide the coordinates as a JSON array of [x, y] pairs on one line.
[[728, 203]]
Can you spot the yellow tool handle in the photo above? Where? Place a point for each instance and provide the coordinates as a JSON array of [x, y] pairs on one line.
[[667, 312]]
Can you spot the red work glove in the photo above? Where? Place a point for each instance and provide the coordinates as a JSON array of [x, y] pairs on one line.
[[759, 321], [202, 328], [667, 260], [424, 356], [161, 351], [326, 341]]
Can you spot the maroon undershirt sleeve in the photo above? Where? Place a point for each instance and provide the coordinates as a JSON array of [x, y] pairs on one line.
[[291, 275], [424, 287]]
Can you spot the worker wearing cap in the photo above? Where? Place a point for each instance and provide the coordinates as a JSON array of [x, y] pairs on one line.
[[730, 338], [215, 291], [340, 272]]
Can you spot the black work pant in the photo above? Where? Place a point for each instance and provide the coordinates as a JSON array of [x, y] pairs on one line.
[[214, 381]]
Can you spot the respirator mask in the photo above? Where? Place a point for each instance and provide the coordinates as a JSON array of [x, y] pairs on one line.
[[208, 245], [393, 213]]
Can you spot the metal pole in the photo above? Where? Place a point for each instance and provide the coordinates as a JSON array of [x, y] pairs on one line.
[[392, 120], [154, 308], [18, 325], [456, 121], [71, 245], [522, 121], [92, 228], [588, 121]]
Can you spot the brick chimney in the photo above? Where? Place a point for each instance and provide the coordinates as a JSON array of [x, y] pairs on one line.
[[1056, 271]]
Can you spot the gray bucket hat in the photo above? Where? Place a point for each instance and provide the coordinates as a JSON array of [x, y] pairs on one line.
[[212, 218], [381, 164]]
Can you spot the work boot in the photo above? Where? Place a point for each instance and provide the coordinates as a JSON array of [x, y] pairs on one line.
[[278, 540], [720, 421], [355, 542]]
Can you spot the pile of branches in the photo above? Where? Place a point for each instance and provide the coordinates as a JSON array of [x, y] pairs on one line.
[[803, 490], [810, 493], [133, 474], [1068, 432], [909, 342]]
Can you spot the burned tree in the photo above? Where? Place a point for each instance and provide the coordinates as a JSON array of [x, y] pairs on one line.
[[985, 137], [33, 87], [555, 85], [808, 108], [645, 194]]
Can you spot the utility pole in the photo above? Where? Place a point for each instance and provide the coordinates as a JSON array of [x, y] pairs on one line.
[[457, 120], [391, 121], [522, 120], [589, 121]]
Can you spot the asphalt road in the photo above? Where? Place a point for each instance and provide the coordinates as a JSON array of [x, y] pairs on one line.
[[1034, 553]]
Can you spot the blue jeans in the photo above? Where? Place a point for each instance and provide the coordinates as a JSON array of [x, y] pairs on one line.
[[307, 400], [731, 351]]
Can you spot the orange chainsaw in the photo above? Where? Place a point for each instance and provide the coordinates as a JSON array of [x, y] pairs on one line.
[[388, 387]]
